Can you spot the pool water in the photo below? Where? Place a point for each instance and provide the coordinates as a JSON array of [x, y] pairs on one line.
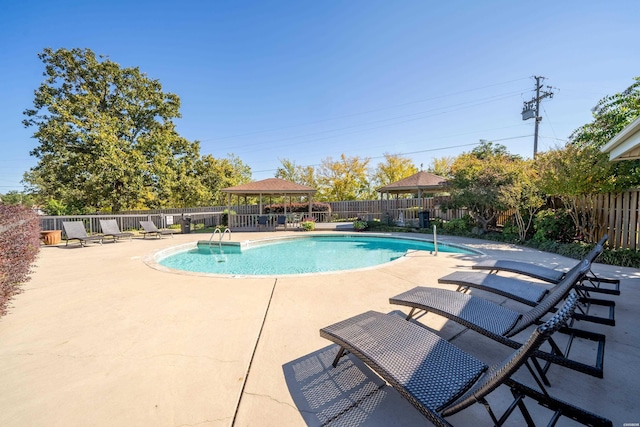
[[313, 254]]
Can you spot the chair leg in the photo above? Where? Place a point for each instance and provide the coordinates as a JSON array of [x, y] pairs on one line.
[[341, 352]]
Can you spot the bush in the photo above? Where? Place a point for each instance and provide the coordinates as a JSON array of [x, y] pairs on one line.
[[308, 224], [554, 225], [20, 243], [360, 224], [297, 208], [459, 226]]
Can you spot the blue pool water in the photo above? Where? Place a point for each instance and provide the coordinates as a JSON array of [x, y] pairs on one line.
[[312, 254]]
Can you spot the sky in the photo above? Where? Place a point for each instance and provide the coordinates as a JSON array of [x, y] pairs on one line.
[[308, 81]]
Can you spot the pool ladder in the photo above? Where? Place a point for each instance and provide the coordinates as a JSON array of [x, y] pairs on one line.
[[222, 233], [435, 240]]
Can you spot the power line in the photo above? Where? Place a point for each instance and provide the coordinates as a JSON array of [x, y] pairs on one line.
[[418, 151], [364, 112], [267, 144]]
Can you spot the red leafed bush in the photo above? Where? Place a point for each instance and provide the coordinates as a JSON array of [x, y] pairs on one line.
[[19, 246], [298, 207]]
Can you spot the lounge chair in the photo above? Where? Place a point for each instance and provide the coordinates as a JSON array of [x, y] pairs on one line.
[[281, 221], [502, 323], [74, 230], [438, 378], [531, 293], [110, 228], [263, 222], [150, 229], [549, 274]]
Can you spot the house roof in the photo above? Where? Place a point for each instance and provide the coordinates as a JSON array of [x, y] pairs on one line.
[[626, 144], [270, 186], [418, 181]]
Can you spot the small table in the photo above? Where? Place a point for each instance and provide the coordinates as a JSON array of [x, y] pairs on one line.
[[51, 237]]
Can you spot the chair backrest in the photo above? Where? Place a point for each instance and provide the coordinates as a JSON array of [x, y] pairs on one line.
[[597, 250], [74, 229], [262, 220], [282, 219], [148, 226], [109, 226], [500, 372], [552, 299]]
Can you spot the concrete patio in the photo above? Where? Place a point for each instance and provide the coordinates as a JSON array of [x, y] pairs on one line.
[[98, 338]]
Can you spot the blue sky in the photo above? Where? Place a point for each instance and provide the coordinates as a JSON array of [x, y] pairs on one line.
[[305, 81]]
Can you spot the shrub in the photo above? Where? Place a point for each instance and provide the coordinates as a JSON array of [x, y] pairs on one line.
[[554, 225], [360, 224], [297, 208], [308, 224], [459, 226], [20, 243]]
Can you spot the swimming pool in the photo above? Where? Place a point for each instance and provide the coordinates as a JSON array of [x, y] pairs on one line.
[[295, 255]]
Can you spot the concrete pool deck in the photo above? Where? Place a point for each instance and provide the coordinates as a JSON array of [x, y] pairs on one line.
[[98, 338]]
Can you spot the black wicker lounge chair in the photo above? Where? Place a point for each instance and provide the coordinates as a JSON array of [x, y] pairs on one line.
[[531, 293], [110, 228], [502, 323], [438, 378], [150, 229], [549, 274], [74, 230]]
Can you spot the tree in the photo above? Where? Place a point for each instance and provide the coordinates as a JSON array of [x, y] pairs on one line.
[[289, 171], [106, 136], [393, 169], [574, 174], [524, 196], [16, 198], [441, 166], [610, 115], [480, 181], [345, 179], [217, 174]]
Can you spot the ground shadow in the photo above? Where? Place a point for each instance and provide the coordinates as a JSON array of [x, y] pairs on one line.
[[347, 395]]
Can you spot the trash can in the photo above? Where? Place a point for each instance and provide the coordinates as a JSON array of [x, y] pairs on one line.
[[423, 219], [186, 225]]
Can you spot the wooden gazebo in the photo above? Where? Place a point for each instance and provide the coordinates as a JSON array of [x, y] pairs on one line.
[[270, 186], [421, 182]]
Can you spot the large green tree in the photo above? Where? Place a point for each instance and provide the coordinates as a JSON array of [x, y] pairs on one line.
[[574, 174], [394, 168], [482, 180], [579, 170], [217, 174], [344, 179], [610, 115], [106, 136]]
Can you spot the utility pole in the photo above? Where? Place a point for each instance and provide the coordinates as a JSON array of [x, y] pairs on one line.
[[531, 109]]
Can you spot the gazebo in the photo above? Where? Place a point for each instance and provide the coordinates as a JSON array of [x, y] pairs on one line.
[[270, 186], [421, 182]]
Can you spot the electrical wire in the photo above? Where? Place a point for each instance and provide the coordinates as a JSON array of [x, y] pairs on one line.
[[368, 111]]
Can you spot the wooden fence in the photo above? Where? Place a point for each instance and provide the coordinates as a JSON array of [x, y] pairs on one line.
[[615, 214]]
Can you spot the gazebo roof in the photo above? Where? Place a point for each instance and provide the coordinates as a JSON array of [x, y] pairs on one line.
[[417, 182], [270, 186]]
